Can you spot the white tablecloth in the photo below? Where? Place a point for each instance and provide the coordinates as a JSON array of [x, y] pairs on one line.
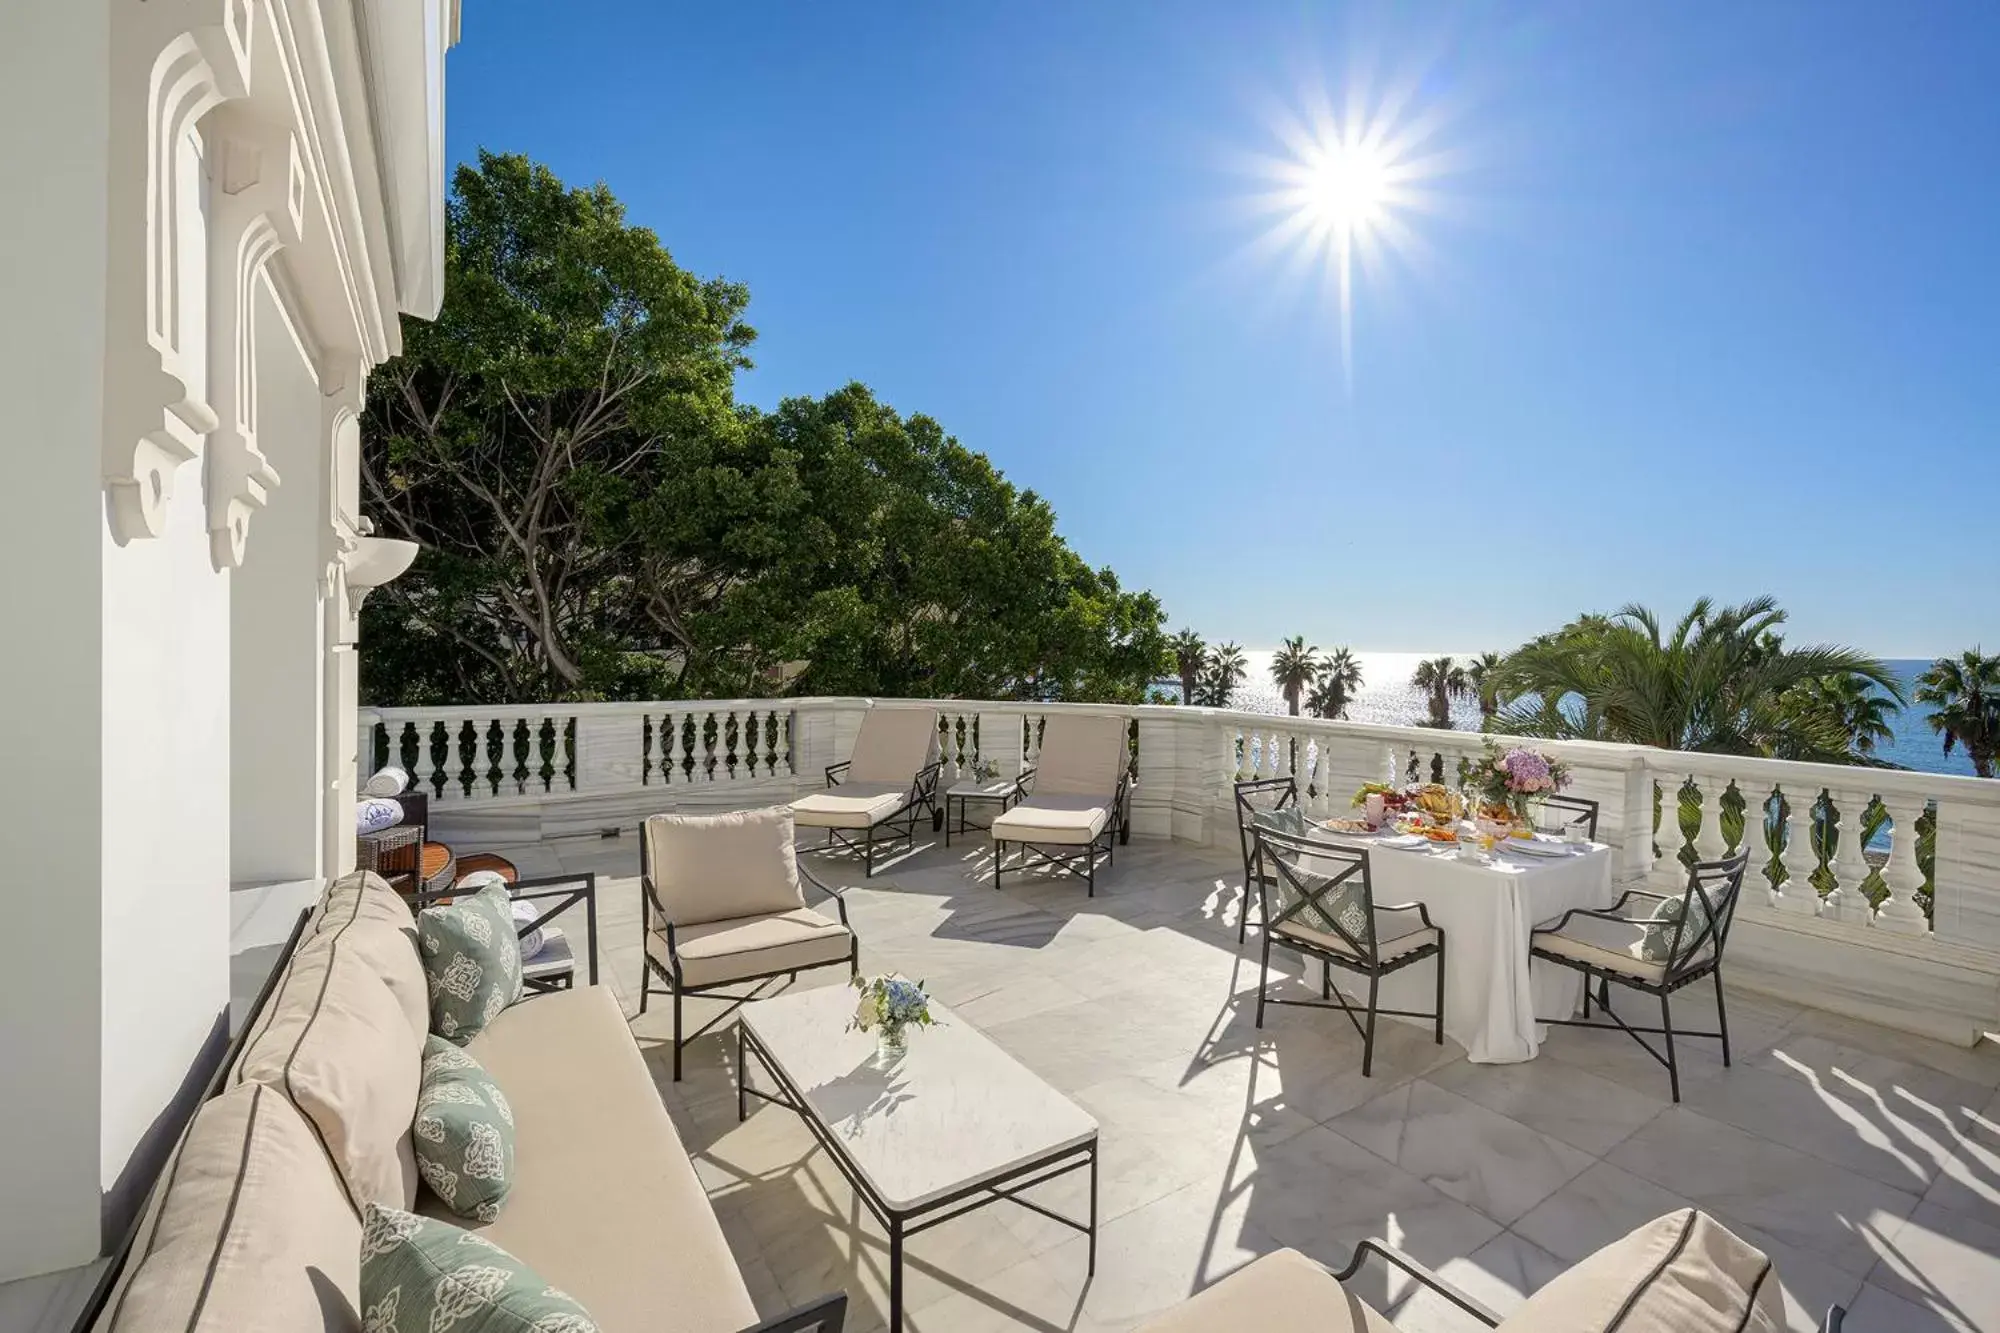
[[1493, 991]]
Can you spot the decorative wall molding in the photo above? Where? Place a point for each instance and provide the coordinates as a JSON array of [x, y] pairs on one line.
[[256, 208]]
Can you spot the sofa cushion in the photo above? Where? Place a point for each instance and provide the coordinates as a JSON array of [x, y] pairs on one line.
[[850, 805], [605, 1203], [254, 1231], [335, 1041], [472, 959], [1051, 817], [714, 952], [1681, 1273], [463, 1133], [1283, 1292], [715, 867], [374, 921], [420, 1275], [360, 895]]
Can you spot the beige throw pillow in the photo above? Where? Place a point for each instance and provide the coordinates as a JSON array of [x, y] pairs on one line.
[[720, 867], [1681, 1273]]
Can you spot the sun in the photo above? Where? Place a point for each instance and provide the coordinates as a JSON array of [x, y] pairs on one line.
[[1344, 186]]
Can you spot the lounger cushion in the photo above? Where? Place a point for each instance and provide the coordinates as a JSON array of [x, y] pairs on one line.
[[850, 805], [1616, 945], [719, 867], [605, 1203], [255, 1233], [893, 746], [1396, 933], [1681, 1273], [1082, 755], [1050, 817], [1283, 1292], [335, 1040], [715, 952]]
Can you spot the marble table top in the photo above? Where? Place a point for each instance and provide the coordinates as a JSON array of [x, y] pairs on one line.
[[954, 1111]]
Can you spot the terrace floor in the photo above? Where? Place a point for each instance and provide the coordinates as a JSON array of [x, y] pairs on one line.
[[1864, 1161]]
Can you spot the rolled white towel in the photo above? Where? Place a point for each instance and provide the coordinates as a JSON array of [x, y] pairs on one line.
[[390, 781], [375, 814], [532, 942]]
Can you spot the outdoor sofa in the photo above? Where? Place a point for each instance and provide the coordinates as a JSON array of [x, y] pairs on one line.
[[251, 1227], [887, 785]]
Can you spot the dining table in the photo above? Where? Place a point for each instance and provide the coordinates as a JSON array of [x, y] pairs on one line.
[[1496, 997]]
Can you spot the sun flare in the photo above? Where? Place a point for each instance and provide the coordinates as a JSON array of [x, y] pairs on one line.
[[1344, 185]]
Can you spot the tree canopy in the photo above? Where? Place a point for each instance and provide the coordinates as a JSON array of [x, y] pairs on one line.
[[600, 518]]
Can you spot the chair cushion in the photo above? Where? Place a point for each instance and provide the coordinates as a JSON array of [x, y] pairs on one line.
[[1681, 1273], [605, 1203], [420, 1275], [1615, 945], [376, 922], [472, 960], [463, 1133], [1083, 754], [255, 1232], [1665, 929], [1283, 1292], [850, 805], [335, 1041], [1396, 933], [360, 895], [715, 952], [715, 867], [893, 746], [1054, 817]]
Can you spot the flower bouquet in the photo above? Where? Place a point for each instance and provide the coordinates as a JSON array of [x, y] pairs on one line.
[[889, 1007], [1511, 783]]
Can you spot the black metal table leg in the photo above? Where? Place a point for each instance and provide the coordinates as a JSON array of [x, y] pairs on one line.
[[895, 1274], [742, 1076], [1091, 1270]]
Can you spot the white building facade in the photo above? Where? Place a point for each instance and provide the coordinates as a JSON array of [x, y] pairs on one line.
[[216, 212]]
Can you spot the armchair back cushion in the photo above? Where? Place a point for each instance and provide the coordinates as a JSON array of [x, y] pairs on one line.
[[719, 867], [255, 1232], [894, 745], [1681, 1273], [1082, 755]]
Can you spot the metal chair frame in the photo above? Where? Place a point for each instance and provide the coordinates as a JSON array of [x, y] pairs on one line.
[[922, 796], [1366, 960], [670, 972], [1684, 965], [1117, 830], [1582, 810], [1246, 811]]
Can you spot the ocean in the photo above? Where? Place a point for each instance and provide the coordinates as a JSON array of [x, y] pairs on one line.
[[1387, 698]]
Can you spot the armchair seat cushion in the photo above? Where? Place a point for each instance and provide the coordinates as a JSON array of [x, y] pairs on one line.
[[1617, 946], [1049, 817], [715, 953], [1396, 934], [850, 805], [1283, 1292], [1683, 1272]]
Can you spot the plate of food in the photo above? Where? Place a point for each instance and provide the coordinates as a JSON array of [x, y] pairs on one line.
[[1439, 833], [1349, 827]]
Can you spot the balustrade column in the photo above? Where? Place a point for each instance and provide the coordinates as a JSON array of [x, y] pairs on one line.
[[1849, 862], [1710, 842], [1900, 911], [1668, 871]]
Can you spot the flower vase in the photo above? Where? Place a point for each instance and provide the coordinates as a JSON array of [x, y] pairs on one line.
[[1527, 811], [891, 1044]]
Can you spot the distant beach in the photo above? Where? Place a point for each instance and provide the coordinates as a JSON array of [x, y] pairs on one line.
[[1386, 699]]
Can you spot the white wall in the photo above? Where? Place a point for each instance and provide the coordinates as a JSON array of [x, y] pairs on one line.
[[52, 239]]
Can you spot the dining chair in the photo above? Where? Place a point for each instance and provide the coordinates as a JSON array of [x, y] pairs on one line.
[[1656, 943], [1319, 901], [1255, 799], [1562, 813]]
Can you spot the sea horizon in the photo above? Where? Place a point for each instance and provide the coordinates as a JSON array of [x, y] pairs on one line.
[[1386, 698]]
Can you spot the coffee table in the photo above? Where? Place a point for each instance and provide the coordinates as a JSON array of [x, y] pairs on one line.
[[954, 1124]]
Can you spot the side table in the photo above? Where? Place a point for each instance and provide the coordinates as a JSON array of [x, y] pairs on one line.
[[1000, 792]]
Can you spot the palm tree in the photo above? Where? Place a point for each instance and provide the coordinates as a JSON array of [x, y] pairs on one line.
[[1190, 656], [1721, 680], [1484, 674], [1225, 671], [1444, 680], [1842, 713], [1293, 668], [1339, 677], [1965, 695]]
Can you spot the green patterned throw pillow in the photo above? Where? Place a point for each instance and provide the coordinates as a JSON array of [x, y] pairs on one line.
[[1663, 929], [463, 1133], [472, 961], [420, 1275]]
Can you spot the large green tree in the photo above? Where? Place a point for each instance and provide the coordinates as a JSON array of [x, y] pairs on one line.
[[1964, 693], [1294, 667], [601, 519]]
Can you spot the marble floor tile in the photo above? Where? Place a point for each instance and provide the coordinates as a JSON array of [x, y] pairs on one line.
[[1478, 1156], [1500, 1275], [1946, 1263], [1976, 1064], [1875, 1308], [1556, 1099], [1800, 1200]]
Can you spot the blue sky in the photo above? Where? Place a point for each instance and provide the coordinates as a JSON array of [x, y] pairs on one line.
[[1706, 297]]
